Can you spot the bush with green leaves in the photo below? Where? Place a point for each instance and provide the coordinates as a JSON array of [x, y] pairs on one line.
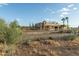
[[12, 33], [9, 34], [69, 37], [2, 30]]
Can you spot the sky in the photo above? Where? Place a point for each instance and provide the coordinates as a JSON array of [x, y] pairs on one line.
[[28, 13]]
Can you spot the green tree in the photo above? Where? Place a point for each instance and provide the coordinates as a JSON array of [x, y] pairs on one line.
[[63, 20], [67, 21]]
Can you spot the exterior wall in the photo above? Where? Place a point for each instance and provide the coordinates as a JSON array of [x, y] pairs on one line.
[[48, 26]]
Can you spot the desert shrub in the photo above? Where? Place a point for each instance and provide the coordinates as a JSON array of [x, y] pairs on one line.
[[69, 37], [12, 33], [2, 30], [66, 31], [73, 31], [50, 38], [9, 34], [69, 31], [61, 31], [37, 39], [27, 42]]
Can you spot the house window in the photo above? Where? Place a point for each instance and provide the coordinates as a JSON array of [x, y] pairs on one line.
[[56, 28]]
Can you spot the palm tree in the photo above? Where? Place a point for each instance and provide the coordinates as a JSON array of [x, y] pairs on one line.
[[63, 19], [67, 21]]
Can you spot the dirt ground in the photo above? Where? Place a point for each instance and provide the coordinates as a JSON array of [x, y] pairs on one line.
[[45, 44], [48, 47]]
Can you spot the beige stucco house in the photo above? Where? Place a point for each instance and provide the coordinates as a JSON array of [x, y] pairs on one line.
[[44, 25]]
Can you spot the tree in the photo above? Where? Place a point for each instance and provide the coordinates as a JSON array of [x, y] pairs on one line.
[[67, 21], [63, 19]]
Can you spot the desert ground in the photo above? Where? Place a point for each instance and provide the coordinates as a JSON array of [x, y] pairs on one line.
[[46, 43]]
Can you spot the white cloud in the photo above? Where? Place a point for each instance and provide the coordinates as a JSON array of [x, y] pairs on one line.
[[5, 4], [2, 4], [65, 9], [61, 15], [48, 19], [74, 8], [18, 19], [65, 13], [70, 5]]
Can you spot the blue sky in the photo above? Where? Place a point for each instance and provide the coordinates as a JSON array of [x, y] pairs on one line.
[[26, 13]]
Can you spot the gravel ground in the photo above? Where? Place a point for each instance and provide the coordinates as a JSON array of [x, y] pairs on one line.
[[46, 46], [49, 48]]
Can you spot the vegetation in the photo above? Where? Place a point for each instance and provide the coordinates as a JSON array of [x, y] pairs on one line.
[[48, 47], [65, 19], [32, 26], [12, 33], [69, 37], [9, 34]]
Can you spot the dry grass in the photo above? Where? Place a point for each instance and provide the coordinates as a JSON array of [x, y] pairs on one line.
[[45, 44], [48, 48]]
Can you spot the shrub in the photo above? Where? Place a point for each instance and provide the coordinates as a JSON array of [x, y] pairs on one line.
[[27, 42], [66, 31], [12, 33], [37, 39], [9, 34], [61, 31], [50, 38], [69, 37], [2, 30], [69, 31]]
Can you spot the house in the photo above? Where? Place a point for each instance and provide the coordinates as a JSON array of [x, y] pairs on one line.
[[44, 25]]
